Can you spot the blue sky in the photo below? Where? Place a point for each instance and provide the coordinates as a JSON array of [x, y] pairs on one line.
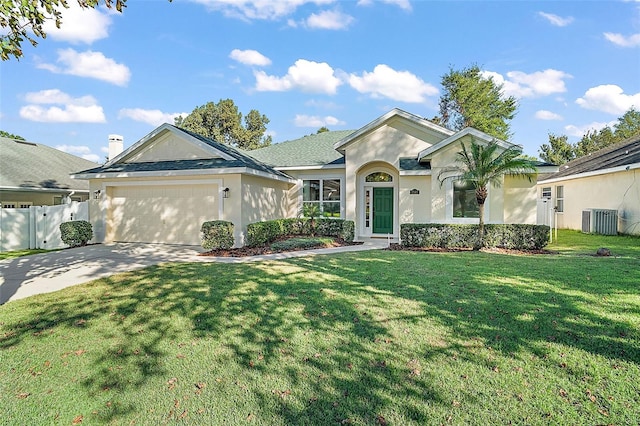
[[573, 65]]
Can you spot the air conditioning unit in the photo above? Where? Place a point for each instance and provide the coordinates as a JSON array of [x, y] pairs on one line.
[[600, 221]]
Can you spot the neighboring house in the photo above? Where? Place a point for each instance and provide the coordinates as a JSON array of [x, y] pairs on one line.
[[608, 179], [33, 174], [163, 187]]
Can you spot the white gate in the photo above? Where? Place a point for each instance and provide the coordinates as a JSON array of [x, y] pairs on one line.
[[38, 226], [545, 213]]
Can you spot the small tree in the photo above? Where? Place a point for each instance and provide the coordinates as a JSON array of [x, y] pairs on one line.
[[483, 165]]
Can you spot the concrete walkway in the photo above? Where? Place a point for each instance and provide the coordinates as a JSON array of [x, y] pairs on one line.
[[47, 272]]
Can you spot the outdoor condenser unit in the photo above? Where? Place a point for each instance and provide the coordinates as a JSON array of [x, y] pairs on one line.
[[600, 221]]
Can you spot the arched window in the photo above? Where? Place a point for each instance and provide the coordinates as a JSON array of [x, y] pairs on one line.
[[379, 177]]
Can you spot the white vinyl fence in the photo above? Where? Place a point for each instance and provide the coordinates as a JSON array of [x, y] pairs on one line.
[[38, 226]]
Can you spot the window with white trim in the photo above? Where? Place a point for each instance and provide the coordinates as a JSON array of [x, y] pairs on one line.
[[546, 192], [464, 200], [560, 199], [325, 193]]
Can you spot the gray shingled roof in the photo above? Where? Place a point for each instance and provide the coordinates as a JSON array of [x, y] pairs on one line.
[[35, 166], [240, 159], [620, 154], [312, 150]]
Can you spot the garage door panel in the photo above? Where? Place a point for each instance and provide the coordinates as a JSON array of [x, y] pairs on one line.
[[162, 214]]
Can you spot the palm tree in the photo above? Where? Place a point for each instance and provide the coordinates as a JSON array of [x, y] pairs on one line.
[[484, 165]]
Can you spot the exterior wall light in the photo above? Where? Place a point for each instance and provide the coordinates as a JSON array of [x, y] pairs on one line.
[[225, 193], [96, 194]]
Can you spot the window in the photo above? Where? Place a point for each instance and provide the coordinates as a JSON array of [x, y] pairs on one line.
[[24, 204], [325, 193], [559, 199], [546, 192], [379, 177], [464, 200]]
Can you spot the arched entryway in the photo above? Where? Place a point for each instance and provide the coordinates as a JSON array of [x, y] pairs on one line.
[[378, 207]]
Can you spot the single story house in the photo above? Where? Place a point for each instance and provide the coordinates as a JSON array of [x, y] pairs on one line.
[[605, 181], [162, 188], [33, 174]]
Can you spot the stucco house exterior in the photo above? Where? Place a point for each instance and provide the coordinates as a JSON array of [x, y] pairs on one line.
[[384, 174], [33, 174], [608, 179]]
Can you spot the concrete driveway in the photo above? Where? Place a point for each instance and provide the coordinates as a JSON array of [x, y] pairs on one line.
[[43, 273], [47, 272]]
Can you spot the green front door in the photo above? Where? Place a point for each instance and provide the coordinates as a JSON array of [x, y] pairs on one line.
[[383, 210]]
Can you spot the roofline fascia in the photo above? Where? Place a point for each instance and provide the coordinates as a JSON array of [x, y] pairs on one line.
[[195, 172], [32, 189], [624, 168], [423, 122], [320, 167]]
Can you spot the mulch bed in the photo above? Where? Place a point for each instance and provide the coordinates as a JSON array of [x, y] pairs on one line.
[[400, 247], [258, 251]]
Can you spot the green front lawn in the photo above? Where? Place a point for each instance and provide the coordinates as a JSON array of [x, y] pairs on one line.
[[378, 337]]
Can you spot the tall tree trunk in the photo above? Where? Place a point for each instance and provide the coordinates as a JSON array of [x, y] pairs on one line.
[[481, 197], [480, 243]]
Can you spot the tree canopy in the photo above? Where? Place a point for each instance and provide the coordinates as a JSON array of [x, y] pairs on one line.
[[470, 99], [482, 165], [25, 19], [223, 123], [559, 150], [11, 136]]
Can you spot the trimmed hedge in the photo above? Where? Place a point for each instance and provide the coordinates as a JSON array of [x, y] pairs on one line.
[[217, 234], [509, 236], [261, 233], [76, 233]]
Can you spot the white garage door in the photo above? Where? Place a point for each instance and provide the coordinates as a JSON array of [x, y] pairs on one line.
[[171, 214]]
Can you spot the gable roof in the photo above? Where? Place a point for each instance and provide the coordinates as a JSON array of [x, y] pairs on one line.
[[468, 131], [31, 166], [617, 156], [225, 159], [309, 151], [394, 113]]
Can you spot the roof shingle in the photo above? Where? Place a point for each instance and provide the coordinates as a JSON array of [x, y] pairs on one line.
[[35, 166]]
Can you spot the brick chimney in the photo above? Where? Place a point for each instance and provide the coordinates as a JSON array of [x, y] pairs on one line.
[[116, 146]]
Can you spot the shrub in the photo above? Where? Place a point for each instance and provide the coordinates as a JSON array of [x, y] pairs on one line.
[[261, 233], [76, 233], [510, 236], [348, 231], [301, 243], [217, 234]]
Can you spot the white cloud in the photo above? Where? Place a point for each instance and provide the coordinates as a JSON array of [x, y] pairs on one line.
[[622, 41], [258, 9], [547, 115], [307, 76], [249, 57], [155, 117], [608, 98], [403, 4], [329, 20], [79, 25], [386, 82], [579, 131], [84, 109], [316, 121], [522, 85], [89, 64], [556, 20], [79, 150]]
